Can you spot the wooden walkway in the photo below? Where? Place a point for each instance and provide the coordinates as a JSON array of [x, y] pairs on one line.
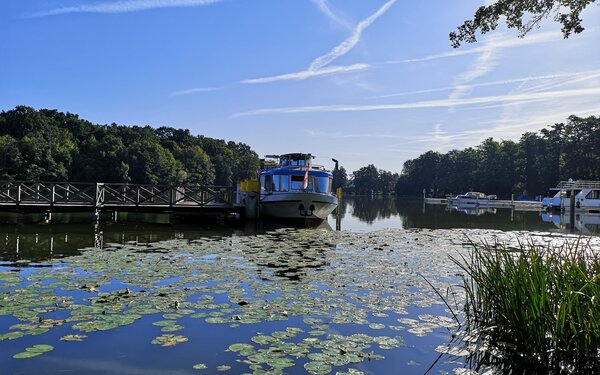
[[21, 196]]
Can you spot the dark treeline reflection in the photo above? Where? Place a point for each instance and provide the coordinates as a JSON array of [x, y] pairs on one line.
[[412, 213], [66, 234]]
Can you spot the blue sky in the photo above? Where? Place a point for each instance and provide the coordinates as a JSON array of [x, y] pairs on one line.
[[366, 82]]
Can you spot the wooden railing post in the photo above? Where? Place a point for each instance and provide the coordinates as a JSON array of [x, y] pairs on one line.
[[99, 195], [52, 191]]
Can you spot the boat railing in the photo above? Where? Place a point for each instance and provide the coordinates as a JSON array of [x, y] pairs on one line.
[[579, 184], [313, 167]]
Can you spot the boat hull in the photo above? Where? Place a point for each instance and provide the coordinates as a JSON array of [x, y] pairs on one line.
[[304, 206]]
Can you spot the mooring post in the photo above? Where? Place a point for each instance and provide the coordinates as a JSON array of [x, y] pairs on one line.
[[572, 212], [338, 215]]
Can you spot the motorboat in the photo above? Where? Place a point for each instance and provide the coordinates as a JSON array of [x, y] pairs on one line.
[[472, 198], [586, 196], [294, 187]]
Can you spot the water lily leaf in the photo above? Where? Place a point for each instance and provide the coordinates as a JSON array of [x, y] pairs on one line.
[[73, 338], [27, 354], [240, 347], [169, 340], [200, 366], [223, 368], [317, 368]]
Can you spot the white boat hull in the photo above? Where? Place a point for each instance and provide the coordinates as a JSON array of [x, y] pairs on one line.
[[308, 206]]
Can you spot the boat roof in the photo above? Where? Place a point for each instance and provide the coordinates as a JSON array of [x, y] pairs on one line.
[[294, 156], [577, 185]]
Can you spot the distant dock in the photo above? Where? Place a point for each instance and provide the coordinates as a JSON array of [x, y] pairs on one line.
[[496, 203]]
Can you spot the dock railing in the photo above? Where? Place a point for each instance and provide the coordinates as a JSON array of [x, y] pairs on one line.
[[579, 184], [112, 195]]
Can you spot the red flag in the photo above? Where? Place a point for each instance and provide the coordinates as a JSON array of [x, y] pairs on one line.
[[305, 181]]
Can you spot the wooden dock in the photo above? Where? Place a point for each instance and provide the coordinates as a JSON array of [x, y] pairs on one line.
[[499, 203], [23, 197]]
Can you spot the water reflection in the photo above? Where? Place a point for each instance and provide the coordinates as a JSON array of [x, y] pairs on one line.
[[367, 213], [33, 239]]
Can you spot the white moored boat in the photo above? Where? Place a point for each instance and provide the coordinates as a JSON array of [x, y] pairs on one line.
[[296, 189], [587, 196], [472, 198]]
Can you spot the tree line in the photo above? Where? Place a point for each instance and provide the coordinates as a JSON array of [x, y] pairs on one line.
[[48, 145], [528, 167]]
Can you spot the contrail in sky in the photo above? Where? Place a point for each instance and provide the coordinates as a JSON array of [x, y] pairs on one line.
[[125, 6], [444, 103], [326, 10], [308, 74], [348, 44]]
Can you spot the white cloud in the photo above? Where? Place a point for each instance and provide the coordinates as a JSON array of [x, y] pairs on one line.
[[324, 7], [443, 103], [308, 74], [544, 37], [319, 66], [348, 44], [483, 64], [125, 6], [577, 77], [195, 90]]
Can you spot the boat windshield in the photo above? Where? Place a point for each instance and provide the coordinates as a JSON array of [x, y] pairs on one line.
[[284, 183], [293, 163]]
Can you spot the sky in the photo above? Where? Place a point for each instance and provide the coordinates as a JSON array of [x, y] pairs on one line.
[[365, 82]]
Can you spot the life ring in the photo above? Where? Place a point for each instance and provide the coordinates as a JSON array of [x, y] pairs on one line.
[[578, 204]]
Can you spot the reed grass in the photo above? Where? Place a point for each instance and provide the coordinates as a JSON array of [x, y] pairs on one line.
[[536, 307]]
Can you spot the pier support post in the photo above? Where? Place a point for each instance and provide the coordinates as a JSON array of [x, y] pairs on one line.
[[338, 212], [572, 212]]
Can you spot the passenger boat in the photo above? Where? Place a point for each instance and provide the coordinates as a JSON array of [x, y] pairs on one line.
[[295, 188], [472, 198], [587, 196]]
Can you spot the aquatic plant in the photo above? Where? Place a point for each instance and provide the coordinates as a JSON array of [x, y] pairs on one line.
[[534, 308]]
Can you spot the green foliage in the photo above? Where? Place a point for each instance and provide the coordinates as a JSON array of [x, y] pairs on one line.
[[340, 178], [370, 180], [54, 146], [522, 15], [537, 307], [529, 167]]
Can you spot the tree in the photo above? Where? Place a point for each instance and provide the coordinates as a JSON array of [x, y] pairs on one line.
[[522, 15], [366, 180], [340, 178], [10, 158], [387, 182]]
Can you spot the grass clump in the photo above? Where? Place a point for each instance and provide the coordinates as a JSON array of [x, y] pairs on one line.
[[536, 308]]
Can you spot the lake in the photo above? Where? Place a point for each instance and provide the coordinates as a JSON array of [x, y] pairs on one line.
[[142, 296]]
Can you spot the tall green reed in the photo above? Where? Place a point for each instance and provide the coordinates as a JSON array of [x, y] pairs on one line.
[[536, 307]]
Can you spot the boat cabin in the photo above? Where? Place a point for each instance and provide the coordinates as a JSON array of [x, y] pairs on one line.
[[586, 195], [289, 175]]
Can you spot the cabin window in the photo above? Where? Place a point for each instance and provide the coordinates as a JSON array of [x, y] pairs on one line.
[[594, 194], [281, 183], [323, 185], [297, 182], [268, 182], [284, 183]]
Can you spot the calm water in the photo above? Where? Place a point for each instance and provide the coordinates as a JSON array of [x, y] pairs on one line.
[[148, 297]]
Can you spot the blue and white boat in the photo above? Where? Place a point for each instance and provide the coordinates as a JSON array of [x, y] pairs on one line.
[[295, 188]]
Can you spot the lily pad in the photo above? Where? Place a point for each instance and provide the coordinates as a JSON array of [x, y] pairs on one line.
[[169, 340], [200, 366]]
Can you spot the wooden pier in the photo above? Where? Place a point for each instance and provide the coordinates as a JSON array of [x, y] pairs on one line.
[[516, 205], [48, 197]]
